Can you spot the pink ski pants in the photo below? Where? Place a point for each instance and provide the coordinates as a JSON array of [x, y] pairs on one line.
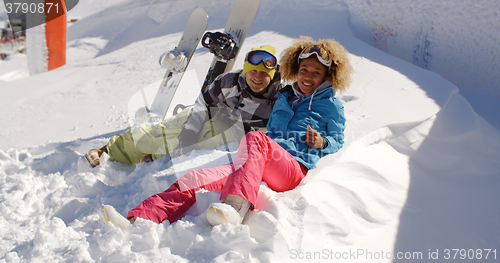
[[259, 158]]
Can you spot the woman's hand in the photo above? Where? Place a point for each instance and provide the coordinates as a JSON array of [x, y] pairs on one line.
[[313, 138]]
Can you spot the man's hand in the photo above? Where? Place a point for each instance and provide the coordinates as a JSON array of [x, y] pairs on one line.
[[313, 138]]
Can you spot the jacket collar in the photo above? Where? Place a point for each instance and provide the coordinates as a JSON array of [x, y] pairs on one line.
[[326, 84], [299, 96], [273, 88]]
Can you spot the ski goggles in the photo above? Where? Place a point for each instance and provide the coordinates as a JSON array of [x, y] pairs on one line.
[[257, 56], [321, 53]]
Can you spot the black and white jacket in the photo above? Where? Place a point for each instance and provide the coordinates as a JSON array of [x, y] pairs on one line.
[[232, 99]]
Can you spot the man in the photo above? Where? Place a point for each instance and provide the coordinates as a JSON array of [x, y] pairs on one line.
[[245, 97]]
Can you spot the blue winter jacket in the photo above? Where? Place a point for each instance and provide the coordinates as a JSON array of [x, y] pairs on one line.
[[320, 110]]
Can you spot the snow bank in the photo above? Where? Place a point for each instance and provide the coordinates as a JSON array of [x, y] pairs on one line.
[[458, 40], [14, 67]]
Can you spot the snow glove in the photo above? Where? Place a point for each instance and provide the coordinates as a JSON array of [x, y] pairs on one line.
[[187, 143]]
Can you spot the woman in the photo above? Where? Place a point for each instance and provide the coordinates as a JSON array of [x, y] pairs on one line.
[[306, 124]]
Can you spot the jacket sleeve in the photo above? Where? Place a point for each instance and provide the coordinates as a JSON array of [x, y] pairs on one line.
[[335, 130], [206, 105]]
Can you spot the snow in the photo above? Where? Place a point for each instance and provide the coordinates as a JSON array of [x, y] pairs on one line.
[[459, 41], [36, 44], [419, 172]]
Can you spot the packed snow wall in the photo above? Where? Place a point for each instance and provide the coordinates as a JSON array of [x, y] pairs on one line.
[[457, 39]]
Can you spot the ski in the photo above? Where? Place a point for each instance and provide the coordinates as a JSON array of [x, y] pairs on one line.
[[176, 62], [225, 46]]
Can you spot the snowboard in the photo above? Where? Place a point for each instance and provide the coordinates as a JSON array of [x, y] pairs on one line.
[[225, 46], [176, 61]]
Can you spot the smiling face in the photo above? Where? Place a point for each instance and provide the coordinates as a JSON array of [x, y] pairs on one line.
[[311, 74], [257, 80]]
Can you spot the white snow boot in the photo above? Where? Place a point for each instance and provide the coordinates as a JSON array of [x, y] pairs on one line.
[[109, 214], [232, 210]]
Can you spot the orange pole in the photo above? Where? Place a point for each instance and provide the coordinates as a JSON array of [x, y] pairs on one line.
[[55, 32]]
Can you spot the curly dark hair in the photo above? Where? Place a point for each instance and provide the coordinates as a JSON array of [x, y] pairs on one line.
[[340, 75]]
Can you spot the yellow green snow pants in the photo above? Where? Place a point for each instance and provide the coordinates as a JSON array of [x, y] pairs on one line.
[[160, 139]]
